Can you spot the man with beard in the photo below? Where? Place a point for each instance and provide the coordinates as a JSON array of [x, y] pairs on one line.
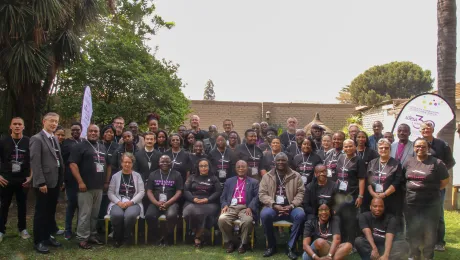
[[288, 136], [119, 124]]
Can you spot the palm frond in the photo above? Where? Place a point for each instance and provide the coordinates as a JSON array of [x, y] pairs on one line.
[[15, 20]]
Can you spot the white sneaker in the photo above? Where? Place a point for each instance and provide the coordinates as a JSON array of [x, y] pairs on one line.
[[24, 234], [1, 236], [110, 235], [60, 232]]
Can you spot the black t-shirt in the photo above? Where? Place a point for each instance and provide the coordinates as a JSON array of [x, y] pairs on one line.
[[315, 144], [305, 165], [204, 186], [253, 156], [268, 161], [21, 159], [384, 174], [66, 149], [147, 162], [222, 161], [171, 183], [294, 150], [180, 162], [423, 180], [441, 150], [287, 138], [326, 231], [194, 163], [378, 226], [314, 194], [330, 161], [367, 155], [200, 135], [127, 188], [87, 156], [350, 171]]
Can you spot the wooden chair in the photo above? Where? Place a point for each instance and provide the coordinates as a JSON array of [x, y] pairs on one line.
[[160, 219], [238, 222]]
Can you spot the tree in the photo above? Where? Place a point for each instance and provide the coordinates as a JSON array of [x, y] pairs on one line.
[[447, 65], [345, 96], [37, 39], [388, 81], [209, 91], [125, 79]]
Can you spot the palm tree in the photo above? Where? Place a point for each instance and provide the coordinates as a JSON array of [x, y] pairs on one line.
[[447, 63], [37, 39]]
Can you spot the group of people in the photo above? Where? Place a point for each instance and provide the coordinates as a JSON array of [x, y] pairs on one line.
[[382, 198]]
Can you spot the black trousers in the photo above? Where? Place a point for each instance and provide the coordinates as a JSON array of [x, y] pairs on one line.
[[399, 249], [422, 226], [45, 210], [6, 196]]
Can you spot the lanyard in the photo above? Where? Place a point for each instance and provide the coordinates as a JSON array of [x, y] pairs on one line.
[[175, 157], [239, 188], [164, 181], [381, 169], [305, 162], [159, 149], [97, 151], [108, 149], [334, 155], [297, 149], [148, 157], [126, 184], [16, 147], [252, 157], [345, 163], [281, 182], [77, 141], [223, 155], [327, 229], [362, 154]]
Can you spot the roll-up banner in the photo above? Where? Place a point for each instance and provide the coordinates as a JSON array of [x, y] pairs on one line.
[[86, 111], [426, 107]]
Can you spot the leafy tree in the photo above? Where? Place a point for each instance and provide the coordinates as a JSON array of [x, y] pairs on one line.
[[392, 80], [345, 96], [125, 79], [209, 91], [37, 39]]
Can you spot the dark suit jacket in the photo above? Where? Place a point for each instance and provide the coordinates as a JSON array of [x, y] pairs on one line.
[[142, 163], [252, 194], [43, 161]]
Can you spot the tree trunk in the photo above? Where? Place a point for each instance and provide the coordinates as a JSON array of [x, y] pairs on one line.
[[447, 63]]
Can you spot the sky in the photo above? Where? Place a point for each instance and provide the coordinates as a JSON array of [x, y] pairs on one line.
[[291, 51]]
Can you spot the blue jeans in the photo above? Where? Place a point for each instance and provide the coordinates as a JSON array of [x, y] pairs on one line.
[[442, 224], [72, 205], [305, 256], [269, 215]]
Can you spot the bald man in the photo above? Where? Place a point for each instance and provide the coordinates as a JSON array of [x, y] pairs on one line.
[[195, 128], [379, 229]]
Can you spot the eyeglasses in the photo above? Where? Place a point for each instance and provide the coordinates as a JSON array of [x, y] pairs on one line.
[[203, 166], [420, 147]]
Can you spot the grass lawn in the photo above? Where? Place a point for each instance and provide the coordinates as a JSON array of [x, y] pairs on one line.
[[13, 247]]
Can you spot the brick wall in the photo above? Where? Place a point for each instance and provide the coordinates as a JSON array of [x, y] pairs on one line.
[[244, 114]]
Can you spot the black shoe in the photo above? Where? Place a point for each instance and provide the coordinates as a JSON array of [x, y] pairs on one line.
[[291, 253], [242, 249], [41, 248], [230, 247], [269, 252], [117, 244], [52, 242]]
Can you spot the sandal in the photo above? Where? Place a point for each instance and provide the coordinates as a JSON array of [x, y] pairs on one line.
[[84, 245], [198, 245]]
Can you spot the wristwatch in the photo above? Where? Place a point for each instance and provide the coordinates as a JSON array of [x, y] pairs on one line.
[[330, 255], [360, 196]]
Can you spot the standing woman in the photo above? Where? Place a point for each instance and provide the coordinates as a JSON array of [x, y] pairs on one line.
[[363, 149], [126, 191], [425, 176], [189, 142], [162, 142], [152, 121], [326, 144], [233, 140], [305, 162], [60, 134], [180, 159], [202, 194], [222, 160], [384, 176], [196, 154], [268, 162]]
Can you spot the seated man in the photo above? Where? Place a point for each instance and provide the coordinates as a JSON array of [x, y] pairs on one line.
[[320, 190], [322, 238], [164, 188], [281, 191], [379, 229], [239, 200]]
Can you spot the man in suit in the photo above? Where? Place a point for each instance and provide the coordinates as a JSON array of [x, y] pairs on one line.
[[239, 200], [48, 174], [404, 148]]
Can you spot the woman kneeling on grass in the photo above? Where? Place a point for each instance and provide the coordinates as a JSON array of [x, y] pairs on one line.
[[126, 191], [322, 237]]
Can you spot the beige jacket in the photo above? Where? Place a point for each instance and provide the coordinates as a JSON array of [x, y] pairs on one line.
[[294, 188]]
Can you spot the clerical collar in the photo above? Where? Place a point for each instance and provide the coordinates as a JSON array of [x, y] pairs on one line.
[[148, 150]]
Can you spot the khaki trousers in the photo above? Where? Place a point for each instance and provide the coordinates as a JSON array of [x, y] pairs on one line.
[[226, 223]]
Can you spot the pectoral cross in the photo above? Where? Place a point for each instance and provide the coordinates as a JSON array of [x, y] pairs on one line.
[[239, 198]]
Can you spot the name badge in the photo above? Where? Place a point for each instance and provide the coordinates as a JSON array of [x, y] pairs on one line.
[[99, 167], [16, 166], [279, 199], [378, 188], [222, 173], [343, 185], [163, 197], [150, 164], [58, 163], [234, 202], [254, 171], [304, 179], [329, 173], [124, 199]]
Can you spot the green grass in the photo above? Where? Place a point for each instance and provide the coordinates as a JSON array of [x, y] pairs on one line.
[[14, 247]]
